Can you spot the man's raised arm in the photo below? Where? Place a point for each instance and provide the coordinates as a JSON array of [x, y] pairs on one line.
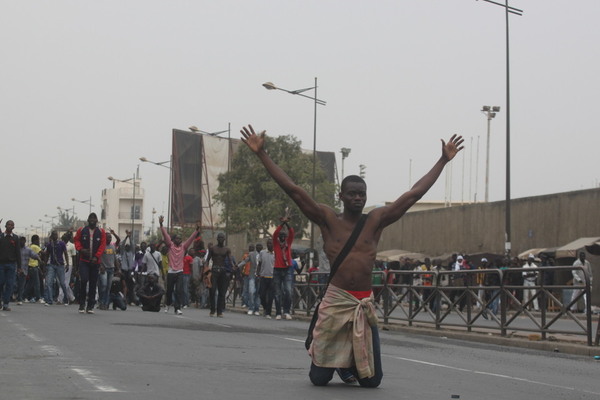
[[307, 204], [397, 209]]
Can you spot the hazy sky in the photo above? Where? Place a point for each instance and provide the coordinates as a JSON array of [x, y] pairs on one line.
[[90, 86]]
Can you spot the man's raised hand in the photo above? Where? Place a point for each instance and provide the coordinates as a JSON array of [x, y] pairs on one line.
[[451, 149], [255, 141]]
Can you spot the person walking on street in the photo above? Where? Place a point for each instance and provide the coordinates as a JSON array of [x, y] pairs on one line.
[[90, 242], [177, 251], [58, 260], [10, 263]]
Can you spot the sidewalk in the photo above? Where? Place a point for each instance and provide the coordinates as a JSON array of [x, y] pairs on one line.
[[558, 343]]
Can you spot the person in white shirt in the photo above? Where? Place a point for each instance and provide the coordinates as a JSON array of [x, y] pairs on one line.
[[579, 279], [530, 279]]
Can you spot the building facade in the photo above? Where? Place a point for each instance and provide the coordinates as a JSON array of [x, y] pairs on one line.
[[122, 208]]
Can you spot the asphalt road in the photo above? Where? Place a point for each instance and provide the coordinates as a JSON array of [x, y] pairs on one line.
[[56, 353]]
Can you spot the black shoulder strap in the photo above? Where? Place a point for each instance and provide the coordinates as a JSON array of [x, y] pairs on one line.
[[348, 246]]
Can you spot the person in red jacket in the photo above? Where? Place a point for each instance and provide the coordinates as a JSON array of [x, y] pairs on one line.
[[90, 242]]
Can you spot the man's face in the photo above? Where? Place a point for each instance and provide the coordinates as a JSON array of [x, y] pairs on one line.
[[9, 226], [92, 221], [270, 245], [259, 247], [282, 237], [54, 236], [220, 239], [22, 242], [354, 196], [176, 239], [250, 248], [143, 246], [582, 256], [108, 238]]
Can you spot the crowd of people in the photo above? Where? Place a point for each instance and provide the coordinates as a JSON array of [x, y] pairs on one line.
[[97, 270]]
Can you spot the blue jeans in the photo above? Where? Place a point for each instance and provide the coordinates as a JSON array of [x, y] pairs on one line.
[[186, 289], [281, 292], [8, 274], [52, 272], [103, 286], [320, 376], [118, 301], [248, 292], [20, 286], [256, 294]]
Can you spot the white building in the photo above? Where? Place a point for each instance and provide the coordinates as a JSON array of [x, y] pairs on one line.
[[122, 207]]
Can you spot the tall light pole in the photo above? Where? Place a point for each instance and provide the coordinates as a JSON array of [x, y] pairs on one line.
[[194, 129], [89, 202], [170, 168], [300, 92], [507, 10], [490, 113], [345, 153]]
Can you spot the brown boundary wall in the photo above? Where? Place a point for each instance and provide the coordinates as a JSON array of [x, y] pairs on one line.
[[541, 221]]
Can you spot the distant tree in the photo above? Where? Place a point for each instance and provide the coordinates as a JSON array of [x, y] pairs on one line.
[[65, 221], [255, 202]]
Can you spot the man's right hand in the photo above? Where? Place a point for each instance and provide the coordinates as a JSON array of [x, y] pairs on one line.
[[255, 142], [84, 252], [161, 219]]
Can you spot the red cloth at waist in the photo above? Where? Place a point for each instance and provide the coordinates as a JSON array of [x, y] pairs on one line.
[[360, 294]]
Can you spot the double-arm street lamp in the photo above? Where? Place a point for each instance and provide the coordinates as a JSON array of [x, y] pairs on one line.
[[169, 165], [89, 202], [490, 113], [300, 92], [345, 153], [507, 10]]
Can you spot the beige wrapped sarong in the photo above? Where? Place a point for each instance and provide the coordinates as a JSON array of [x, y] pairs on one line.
[[342, 336]]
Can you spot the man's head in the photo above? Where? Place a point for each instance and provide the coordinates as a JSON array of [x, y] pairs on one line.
[[35, 239], [22, 241], [270, 244], [152, 278], [152, 247], [259, 247], [353, 193], [282, 236], [582, 256], [250, 248], [176, 239], [92, 220], [54, 236], [143, 246], [10, 225], [530, 258], [220, 239], [108, 238]]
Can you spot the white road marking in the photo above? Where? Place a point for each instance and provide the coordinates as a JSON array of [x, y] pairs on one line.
[[509, 377], [94, 381]]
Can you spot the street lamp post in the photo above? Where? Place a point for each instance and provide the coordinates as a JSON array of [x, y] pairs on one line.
[[490, 113], [507, 10], [300, 92], [345, 153], [196, 130], [170, 168], [85, 202]]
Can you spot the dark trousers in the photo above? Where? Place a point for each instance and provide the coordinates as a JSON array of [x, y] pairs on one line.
[[174, 286], [118, 301], [152, 304], [266, 294], [220, 282], [34, 283], [88, 273], [320, 376]]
